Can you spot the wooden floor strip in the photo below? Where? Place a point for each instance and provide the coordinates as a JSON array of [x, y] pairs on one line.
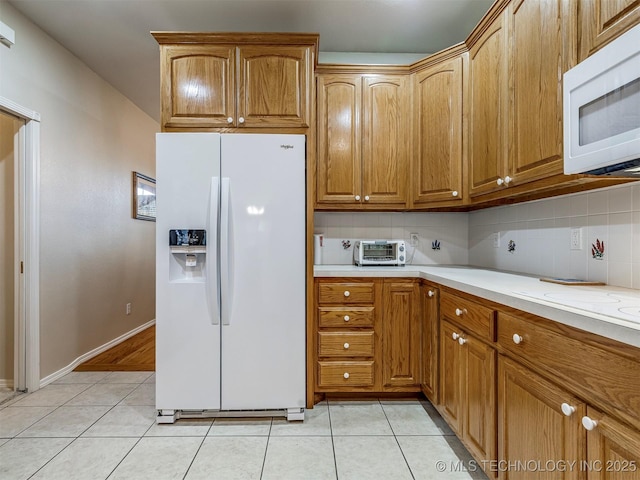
[[135, 353]]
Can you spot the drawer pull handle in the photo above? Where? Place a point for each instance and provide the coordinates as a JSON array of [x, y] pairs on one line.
[[462, 340], [346, 318], [346, 375], [431, 293], [455, 336], [346, 346], [567, 409], [347, 293], [460, 312], [589, 423], [517, 339]]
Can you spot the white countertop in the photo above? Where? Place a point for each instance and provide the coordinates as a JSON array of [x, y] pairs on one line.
[[612, 312]]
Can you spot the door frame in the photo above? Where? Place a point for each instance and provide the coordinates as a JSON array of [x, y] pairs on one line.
[[27, 235]]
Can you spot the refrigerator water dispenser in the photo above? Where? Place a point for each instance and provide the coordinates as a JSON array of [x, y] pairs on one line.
[[188, 255]]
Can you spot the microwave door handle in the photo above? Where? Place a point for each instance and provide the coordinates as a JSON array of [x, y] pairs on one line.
[[226, 252], [211, 274]]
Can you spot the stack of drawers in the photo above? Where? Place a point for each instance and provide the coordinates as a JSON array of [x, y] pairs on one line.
[[346, 336]]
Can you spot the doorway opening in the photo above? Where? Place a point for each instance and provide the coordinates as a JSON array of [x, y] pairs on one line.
[[19, 250]]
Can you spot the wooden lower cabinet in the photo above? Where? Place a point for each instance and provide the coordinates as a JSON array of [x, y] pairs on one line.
[[613, 449], [467, 390], [400, 334], [367, 335], [430, 296], [536, 440]]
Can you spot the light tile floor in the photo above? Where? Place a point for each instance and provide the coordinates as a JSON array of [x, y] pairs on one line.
[[101, 425]]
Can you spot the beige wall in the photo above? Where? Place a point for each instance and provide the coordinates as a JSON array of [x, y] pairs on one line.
[[9, 127], [94, 258]]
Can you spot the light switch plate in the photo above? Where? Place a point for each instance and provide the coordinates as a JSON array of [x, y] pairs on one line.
[[576, 239], [495, 237]]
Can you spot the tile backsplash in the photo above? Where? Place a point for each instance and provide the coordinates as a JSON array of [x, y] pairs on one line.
[[607, 220], [533, 237], [449, 229]]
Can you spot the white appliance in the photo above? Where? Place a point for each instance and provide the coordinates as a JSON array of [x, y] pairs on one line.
[[230, 314], [601, 98], [380, 253]]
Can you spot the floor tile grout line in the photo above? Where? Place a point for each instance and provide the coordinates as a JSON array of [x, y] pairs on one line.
[[194, 458], [124, 456], [266, 450], [395, 437], [333, 444], [51, 459]]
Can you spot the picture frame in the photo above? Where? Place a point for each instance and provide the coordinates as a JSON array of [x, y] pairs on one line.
[[144, 197]]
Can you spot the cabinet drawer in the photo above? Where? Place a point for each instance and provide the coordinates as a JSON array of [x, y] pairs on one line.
[[345, 317], [345, 344], [471, 316], [345, 374], [345, 293], [604, 374]]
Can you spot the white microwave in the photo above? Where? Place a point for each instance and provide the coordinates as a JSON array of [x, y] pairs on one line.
[[601, 107]]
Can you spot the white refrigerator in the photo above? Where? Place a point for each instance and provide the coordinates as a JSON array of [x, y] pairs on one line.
[[230, 314]]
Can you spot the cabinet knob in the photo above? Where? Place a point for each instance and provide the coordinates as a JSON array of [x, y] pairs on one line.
[[517, 339], [346, 346], [240, 119], [499, 181], [460, 312], [567, 409], [455, 336], [346, 318], [346, 375], [229, 119], [357, 197], [431, 293], [507, 180], [454, 193], [347, 293], [366, 198], [589, 423], [462, 340]]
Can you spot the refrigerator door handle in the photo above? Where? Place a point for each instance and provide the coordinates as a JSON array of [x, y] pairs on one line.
[[212, 279], [226, 253]]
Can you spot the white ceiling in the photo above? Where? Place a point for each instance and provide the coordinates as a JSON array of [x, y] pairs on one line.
[[112, 36]]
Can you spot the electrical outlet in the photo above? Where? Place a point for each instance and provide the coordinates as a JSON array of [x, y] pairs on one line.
[[495, 238], [576, 239], [414, 238], [128, 310]]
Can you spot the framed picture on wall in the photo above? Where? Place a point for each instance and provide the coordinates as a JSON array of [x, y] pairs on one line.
[[144, 197]]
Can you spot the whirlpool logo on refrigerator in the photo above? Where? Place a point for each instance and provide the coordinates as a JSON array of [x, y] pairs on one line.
[[286, 147]]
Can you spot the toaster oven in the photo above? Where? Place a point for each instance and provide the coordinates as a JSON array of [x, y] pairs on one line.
[[379, 252]]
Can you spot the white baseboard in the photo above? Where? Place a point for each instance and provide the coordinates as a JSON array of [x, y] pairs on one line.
[[96, 351], [6, 383]]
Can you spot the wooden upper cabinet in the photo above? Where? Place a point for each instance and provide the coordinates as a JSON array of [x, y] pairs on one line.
[[273, 88], [438, 155], [603, 20], [216, 80], [542, 49], [488, 108], [198, 85], [386, 138], [339, 100], [363, 141]]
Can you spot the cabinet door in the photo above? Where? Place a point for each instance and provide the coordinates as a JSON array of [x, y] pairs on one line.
[[400, 335], [613, 450], [603, 20], [339, 100], [479, 398], [437, 160], [274, 86], [430, 336], [386, 139], [198, 85], [532, 427], [450, 376], [542, 48], [488, 108]]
